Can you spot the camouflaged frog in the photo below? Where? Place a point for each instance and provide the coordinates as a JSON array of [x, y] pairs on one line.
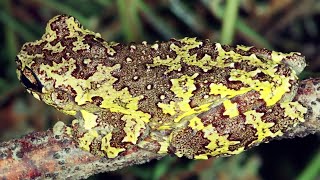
[[190, 97]]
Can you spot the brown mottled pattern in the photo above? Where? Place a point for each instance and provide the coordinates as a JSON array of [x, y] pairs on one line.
[[189, 142], [153, 84], [206, 48], [276, 115]]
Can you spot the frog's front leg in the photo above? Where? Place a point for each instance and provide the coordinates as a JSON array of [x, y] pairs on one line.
[[105, 133]]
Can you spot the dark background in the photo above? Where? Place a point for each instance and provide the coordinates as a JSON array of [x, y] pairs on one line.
[[282, 25]]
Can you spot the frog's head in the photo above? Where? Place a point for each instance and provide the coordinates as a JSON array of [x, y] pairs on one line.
[[49, 68], [42, 85]]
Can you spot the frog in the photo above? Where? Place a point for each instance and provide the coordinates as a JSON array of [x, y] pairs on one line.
[[188, 97]]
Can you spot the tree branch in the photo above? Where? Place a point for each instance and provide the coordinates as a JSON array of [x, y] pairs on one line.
[[44, 155]]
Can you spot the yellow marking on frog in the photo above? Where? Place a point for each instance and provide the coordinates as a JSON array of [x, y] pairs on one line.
[[164, 145], [27, 60], [164, 127], [278, 56], [196, 124], [223, 91], [80, 45], [90, 119], [294, 110], [112, 152], [50, 35], [116, 101], [201, 157], [87, 61], [155, 46], [263, 128], [75, 29], [70, 112], [178, 154], [182, 88], [86, 140], [168, 108], [235, 57], [185, 116], [109, 46], [219, 144], [182, 54], [231, 109], [69, 131], [271, 92], [244, 48], [55, 49], [133, 128]]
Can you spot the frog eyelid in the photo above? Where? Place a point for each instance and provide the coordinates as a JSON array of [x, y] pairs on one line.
[[30, 80]]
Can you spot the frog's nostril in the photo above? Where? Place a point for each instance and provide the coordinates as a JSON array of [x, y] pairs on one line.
[[30, 80]]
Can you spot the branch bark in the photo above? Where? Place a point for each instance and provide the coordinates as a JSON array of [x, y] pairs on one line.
[[42, 155], [45, 155]]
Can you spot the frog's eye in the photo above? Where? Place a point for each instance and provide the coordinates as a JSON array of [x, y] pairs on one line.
[[30, 80]]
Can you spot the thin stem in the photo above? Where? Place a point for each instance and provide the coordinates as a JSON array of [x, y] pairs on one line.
[[312, 171], [229, 21]]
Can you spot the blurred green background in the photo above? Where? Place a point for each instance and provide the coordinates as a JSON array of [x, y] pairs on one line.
[[282, 25]]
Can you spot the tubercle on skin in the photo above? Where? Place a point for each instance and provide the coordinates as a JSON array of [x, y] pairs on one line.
[[184, 88]]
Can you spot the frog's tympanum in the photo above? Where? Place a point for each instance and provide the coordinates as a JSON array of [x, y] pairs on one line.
[[190, 97]]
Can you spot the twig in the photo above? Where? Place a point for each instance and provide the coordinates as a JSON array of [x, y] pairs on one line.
[[42, 155]]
